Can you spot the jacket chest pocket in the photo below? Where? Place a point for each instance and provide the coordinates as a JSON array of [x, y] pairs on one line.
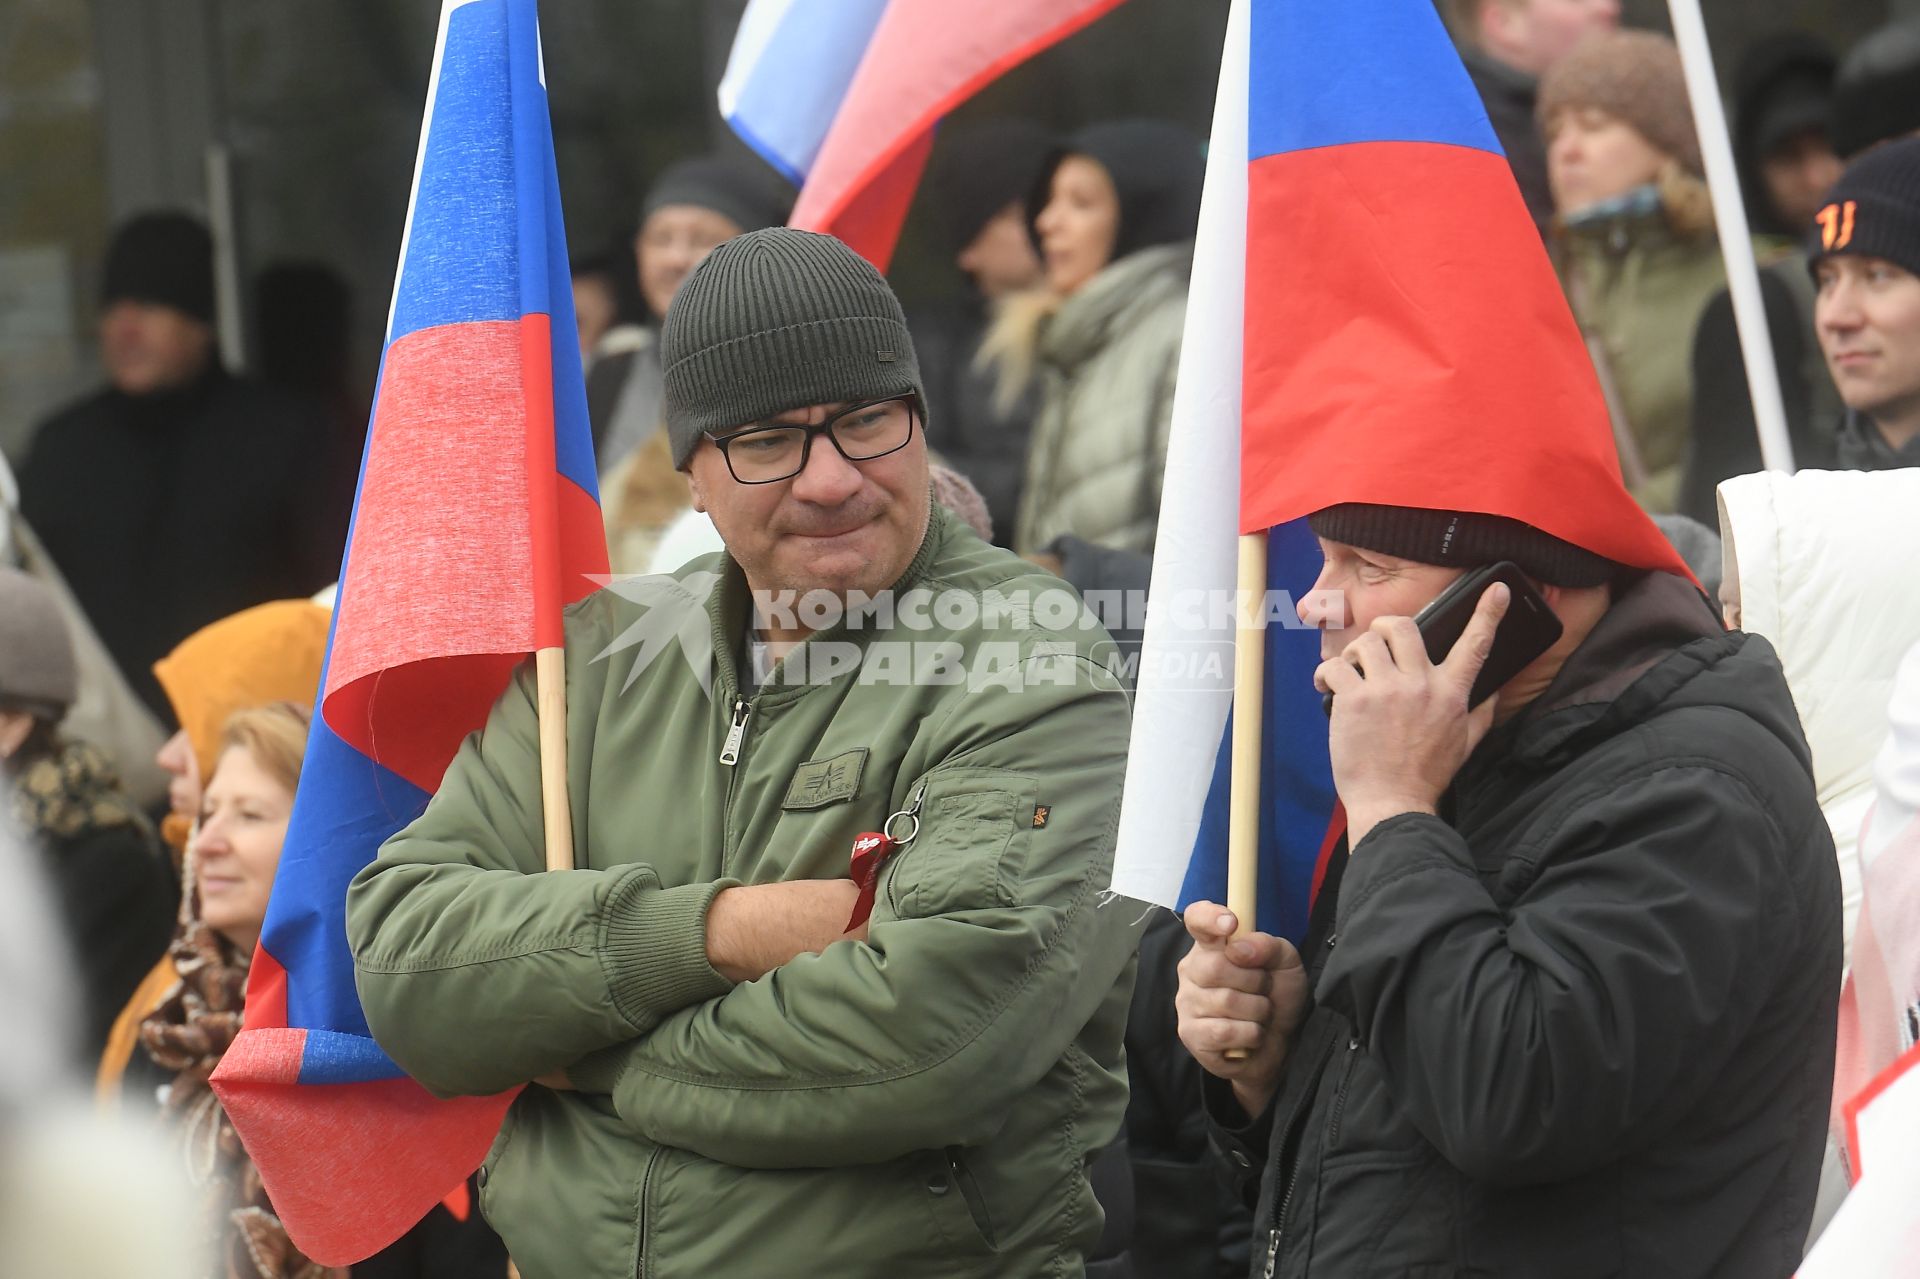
[[971, 849]]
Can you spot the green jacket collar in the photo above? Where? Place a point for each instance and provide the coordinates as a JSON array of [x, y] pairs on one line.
[[730, 606]]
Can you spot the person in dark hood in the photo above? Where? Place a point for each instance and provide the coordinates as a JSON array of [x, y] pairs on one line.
[[1876, 92], [1783, 121], [1563, 1004], [1507, 45], [1783, 130], [693, 207], [1113, 215], [974, 209], [178, 493], [1865, 247]]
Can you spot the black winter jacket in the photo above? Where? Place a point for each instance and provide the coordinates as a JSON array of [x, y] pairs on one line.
[[168, 512], [1583, 1026]]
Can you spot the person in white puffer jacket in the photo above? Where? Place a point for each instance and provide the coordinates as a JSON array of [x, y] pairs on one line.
[[1824, 564]]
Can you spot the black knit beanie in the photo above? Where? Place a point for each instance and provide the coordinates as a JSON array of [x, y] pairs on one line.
[[1461, 539], [1157, 169], [164, 258], [745, 192], [1874, 210], [776, 320]]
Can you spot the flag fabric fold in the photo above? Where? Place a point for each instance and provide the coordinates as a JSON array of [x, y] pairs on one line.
[[477, 520], [842, 96], [1373, 319]]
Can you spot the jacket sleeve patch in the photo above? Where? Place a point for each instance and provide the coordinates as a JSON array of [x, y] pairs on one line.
[[820, 782]]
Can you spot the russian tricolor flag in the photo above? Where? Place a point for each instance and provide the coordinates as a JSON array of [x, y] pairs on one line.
[[1373, 319], [842, 96], [477, 521]]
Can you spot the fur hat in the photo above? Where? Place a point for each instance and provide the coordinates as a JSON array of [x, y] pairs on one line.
[[1633, 76]]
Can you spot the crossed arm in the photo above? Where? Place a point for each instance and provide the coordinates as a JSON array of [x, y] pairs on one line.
[[699, 1007]]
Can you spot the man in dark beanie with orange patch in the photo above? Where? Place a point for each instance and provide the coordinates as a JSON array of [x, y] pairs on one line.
[[177, 493], [1865, 250], [1567, 1001]]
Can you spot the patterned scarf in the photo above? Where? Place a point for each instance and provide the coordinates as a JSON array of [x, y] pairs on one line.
[[187, 1034], [68, 793]]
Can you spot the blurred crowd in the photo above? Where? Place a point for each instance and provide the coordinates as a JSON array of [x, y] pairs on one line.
[[159, 656]]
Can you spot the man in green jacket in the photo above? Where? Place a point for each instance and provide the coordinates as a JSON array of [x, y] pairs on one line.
[[733, 1074]]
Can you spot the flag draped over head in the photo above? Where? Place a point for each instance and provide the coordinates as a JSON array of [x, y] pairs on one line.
[[1373, 319], [477, 521], [842, 96]]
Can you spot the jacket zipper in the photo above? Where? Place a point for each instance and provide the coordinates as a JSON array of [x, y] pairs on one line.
[[1300, 1108], [736, 732], [970, 1191], [646, 1215], [1340, 1100], [1279, 1223]]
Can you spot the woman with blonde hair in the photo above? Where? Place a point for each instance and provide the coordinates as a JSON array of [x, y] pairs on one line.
[[232, 858], [230, 865]]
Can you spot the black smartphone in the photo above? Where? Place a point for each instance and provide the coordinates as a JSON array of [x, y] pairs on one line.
[[1528, 630]]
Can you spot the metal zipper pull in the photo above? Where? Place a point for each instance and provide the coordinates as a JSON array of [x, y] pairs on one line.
[[1273, 1252], [904, 835], [730, 749]]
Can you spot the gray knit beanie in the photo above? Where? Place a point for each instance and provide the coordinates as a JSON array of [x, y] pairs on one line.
[[777, 320], [37, 672]]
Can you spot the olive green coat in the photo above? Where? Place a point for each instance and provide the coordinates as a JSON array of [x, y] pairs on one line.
[[924, 1102], [1639, 290]]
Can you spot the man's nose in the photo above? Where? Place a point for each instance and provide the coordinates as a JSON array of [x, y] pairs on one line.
[[1323, 607], [828, 478], [1840, 308]]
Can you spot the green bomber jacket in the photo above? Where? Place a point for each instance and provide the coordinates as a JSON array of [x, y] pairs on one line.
[[923, 1102]]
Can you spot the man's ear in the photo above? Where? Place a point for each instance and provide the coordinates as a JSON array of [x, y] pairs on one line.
[[693, 488], [1555, 596]]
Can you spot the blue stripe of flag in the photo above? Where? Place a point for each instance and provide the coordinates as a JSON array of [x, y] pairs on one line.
[[488, 236], [1296, 779], [1319, 80], [346, 808]]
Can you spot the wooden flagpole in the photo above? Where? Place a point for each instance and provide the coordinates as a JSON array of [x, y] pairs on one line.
[[550, 672], [1249, 697]]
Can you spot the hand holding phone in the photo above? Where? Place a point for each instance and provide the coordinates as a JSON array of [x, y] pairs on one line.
[[1527, 631]]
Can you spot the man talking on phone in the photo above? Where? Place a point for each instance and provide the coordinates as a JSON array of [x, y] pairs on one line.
[[1566, 1006]]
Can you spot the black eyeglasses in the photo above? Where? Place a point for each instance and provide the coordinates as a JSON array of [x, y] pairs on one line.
[[769, 454]]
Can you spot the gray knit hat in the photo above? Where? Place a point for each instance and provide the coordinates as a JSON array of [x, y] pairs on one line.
[[37, 672], [777, 320]]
